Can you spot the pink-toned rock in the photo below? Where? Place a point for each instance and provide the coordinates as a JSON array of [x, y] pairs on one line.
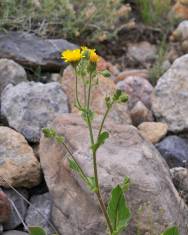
[[105, 65], [105, 87], [138, 89], [5, 208], [140, 113], [142, 73], [153, 131]]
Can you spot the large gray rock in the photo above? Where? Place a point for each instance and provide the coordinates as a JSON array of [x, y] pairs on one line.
[[175, 150], [11, 72], [29, 106], [18, 164], [124, 154], [171, 96], [32, 51], [43, 203], [20, 205]]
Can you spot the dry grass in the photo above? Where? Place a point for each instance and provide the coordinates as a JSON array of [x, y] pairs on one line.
[[89, 19]]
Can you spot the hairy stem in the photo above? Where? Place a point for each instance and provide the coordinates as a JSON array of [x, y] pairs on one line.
[[76, 88], [85, 93], [103, 120], [98, 192]]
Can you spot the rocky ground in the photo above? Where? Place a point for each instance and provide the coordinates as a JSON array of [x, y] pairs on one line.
[[148, 136]]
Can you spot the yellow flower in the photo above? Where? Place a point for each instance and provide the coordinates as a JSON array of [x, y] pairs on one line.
[[93, 57], [70, 56]]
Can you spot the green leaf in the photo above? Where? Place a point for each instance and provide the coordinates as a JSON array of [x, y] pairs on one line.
[[125, 185], [120, 97], [118, 211], [59, 139], [36, 231], [106, 73], [92, 184], [108, 102], [87, 114], [49, 132], [73, 165], [171, 231], [89, 181], [117, 95], [101, 140], [123, 98]]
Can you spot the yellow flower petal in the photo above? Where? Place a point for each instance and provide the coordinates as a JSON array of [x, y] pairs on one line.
[[70, 56]]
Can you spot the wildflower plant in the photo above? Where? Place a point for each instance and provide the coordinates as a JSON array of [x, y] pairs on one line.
[[84, 61], [116, 212]]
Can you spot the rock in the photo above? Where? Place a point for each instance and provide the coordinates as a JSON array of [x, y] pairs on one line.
[[32, 51], [174, 149], [39, 189], [29, 106], [15, 232], [184, 46], [18, 165], [181, 9], [20, 205], [166, 65], [124, 154], [5, 208], [102, 64], [138, 89], [11, 72], [140, 113], [174, 52], [105, 87], [141, 73], [43, 203], [180, 179], [153, 131], [180, 35], [143, 53], [169, 102], [181, 32]]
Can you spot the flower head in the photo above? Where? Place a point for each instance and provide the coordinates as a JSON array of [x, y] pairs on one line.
[[92, 55], [71, 56], [94, 58]]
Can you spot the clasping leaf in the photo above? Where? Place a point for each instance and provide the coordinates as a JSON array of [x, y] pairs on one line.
[[171, 231], [36, 231], [101, 140], [118, 211]]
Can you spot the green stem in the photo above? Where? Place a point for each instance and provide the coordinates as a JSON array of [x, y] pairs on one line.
[[89, 92], [98, 192], [103, 120], [77, 98], [85, 92]]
